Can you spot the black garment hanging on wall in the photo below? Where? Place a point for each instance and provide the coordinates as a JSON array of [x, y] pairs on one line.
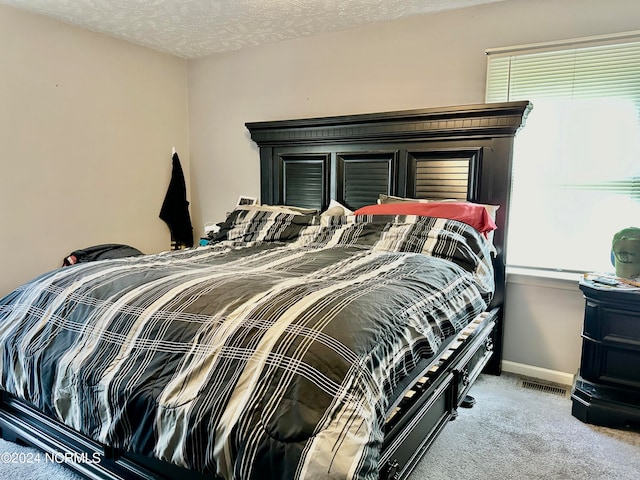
[[175, 208]]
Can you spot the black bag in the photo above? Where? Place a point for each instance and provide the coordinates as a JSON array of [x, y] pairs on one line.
[[100, 252]]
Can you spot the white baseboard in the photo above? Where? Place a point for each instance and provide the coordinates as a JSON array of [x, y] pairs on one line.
[[553, 376]]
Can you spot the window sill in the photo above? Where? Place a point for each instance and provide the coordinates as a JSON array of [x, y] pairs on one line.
[[544, 278]]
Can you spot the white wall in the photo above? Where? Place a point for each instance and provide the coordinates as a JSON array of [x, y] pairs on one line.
[[543, 327], [417, 62], [87, 123]]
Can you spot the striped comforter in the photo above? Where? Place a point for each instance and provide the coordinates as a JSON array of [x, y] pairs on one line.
[[268, 354]]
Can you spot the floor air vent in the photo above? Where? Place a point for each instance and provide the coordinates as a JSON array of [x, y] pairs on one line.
[[545, 388]]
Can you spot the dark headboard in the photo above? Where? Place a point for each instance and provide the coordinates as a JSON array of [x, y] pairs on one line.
[[461, 152]]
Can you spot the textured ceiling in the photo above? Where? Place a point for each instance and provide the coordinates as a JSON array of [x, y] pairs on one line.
[[194, 28]]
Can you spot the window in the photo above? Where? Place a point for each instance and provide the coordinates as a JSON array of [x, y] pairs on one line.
[[576, 173]]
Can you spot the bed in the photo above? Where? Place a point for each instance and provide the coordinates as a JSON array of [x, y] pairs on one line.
[[304, 341]]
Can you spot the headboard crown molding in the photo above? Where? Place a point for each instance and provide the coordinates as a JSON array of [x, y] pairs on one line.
[[465, 121]]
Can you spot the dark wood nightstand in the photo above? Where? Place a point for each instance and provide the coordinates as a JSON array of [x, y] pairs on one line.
[[607, 388]]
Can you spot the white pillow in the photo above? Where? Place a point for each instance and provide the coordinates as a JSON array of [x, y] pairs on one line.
[[336, 209]]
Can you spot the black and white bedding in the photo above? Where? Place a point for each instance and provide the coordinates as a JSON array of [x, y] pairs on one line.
[[271, 353]]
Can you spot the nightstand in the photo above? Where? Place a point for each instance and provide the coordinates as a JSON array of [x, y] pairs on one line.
[[607, 388]]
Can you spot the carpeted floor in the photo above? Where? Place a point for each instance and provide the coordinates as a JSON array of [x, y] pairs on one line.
[[514, 433], [511, 433]]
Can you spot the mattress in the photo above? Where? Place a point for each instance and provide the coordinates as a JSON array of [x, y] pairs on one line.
[[274, 352]]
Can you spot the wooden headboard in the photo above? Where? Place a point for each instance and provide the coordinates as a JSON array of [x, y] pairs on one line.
[[461, 152]]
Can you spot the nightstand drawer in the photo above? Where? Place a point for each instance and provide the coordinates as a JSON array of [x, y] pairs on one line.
[[607, 364], [612, 325]]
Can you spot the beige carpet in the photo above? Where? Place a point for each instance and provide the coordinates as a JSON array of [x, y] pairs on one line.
[[514, 433]]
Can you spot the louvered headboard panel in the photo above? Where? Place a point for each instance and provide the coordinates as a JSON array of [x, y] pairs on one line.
[[362, 176], [305, 180], [444, 174], [461, 152]]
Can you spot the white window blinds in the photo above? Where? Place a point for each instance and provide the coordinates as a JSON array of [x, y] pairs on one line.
[[576, 176]]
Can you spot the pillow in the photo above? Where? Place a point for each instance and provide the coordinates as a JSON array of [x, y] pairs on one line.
[[382, 198], [336, 209], [491, 209], [278, 209], [470, 213], [262, 223]]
